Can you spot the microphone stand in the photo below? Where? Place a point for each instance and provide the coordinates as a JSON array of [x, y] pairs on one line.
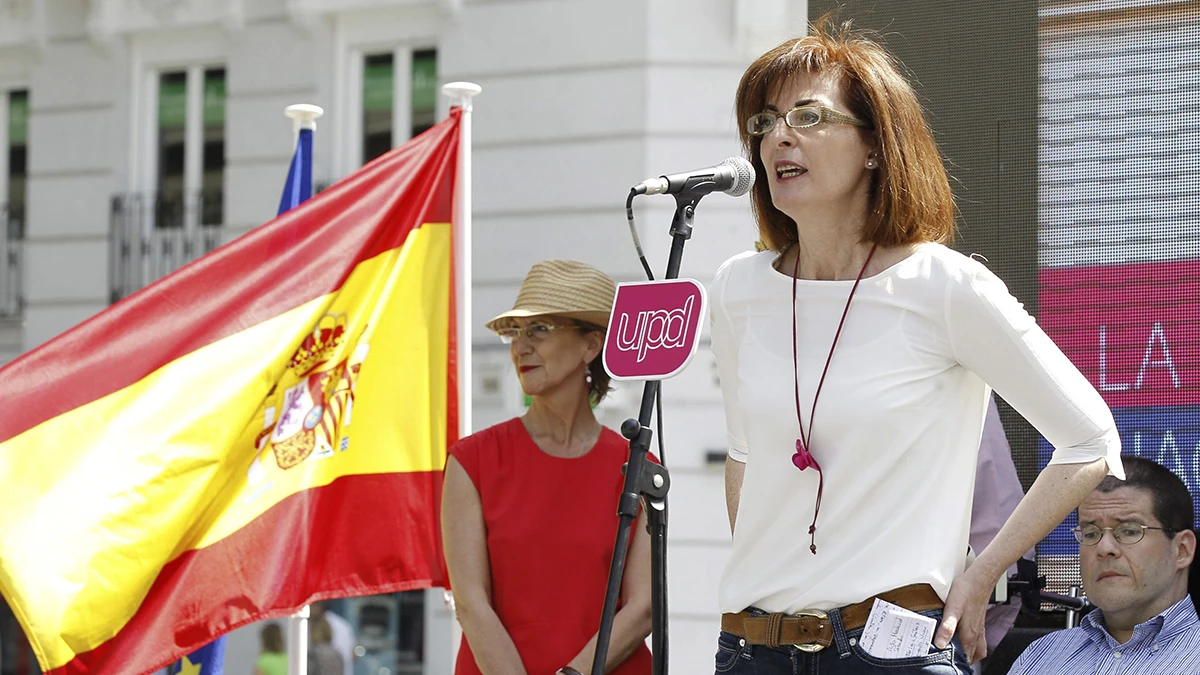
[[648, 482], [1029, 585]]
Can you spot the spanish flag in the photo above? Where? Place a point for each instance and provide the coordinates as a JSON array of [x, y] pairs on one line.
[[264, 428]]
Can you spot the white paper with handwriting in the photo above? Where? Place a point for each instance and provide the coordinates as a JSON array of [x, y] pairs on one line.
[[893, 632]]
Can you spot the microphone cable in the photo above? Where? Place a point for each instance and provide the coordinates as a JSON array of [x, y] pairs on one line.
[[637, 246], [637, 243]]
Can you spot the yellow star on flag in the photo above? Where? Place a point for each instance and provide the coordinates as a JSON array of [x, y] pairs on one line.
[[189, 668]]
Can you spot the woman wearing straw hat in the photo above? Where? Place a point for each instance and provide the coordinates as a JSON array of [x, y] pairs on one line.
[[529, 506]]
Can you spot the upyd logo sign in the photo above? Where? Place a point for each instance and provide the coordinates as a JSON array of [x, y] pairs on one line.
[[654, 328]]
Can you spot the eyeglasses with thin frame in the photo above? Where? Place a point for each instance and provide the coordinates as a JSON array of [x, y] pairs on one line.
[[536, 332], [800, 117], [1125, 533]]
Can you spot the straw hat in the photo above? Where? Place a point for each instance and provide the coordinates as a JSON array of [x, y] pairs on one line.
[[564, 288]]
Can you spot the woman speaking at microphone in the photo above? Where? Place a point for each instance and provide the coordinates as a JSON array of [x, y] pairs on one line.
[[529, 509], [855, 356]]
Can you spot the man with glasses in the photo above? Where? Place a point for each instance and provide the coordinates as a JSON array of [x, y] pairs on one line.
[[1135, 548]]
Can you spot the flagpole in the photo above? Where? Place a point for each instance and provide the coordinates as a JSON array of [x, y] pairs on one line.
[[297, 642], [303, 116], [460, 94]]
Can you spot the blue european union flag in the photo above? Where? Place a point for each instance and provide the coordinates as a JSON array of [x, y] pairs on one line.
[[208, 660], [299, 179]]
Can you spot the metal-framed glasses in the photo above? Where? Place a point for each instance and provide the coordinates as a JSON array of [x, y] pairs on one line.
[[1124, 533], [799, 118], [536, 332]]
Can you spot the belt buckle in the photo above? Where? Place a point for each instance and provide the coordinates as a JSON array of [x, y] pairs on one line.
[[811, 647]]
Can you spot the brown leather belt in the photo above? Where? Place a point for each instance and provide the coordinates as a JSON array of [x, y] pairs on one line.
[[811, 630]]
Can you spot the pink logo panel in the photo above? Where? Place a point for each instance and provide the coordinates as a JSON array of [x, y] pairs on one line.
[[654, 329]]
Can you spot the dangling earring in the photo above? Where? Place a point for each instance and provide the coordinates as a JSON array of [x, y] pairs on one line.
[[587, 377], [871, 163]]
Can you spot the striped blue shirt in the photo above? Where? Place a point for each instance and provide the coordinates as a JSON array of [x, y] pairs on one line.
[[1168, 644]]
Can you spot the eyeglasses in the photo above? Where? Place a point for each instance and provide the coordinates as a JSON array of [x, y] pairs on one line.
[[799, 118], [536, 332], [1124, 533]]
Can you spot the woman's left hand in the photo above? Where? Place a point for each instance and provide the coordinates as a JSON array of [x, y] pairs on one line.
[[964, 613]]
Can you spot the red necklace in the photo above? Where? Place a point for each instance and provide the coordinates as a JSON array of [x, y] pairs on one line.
[[803, 458]]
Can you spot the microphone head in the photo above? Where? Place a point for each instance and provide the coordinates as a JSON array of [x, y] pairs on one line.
[[743, 176]]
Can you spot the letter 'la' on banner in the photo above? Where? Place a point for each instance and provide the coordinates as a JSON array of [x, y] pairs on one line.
[[263, 428]]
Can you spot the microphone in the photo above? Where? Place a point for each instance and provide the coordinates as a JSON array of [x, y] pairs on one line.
[[734, 177]]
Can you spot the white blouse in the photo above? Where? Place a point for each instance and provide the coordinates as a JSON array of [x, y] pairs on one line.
[[897, 427]]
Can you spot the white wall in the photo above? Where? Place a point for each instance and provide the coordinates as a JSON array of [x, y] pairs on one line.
[[74, 146]]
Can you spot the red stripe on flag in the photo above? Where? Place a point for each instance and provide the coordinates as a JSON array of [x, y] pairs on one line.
[[357, 534], [304, 254]]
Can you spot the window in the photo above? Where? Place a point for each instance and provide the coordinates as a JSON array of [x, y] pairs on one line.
[[377, 101], [389, 631], [190, 147], [172, 138], [213, 162], [14, 151], [414, 74], [18, 152], [424, 91]]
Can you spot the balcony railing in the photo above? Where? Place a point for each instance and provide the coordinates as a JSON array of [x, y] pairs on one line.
[[152, 237], [12, 238]]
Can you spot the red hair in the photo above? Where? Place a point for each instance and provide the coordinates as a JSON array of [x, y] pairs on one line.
[[910, 198]]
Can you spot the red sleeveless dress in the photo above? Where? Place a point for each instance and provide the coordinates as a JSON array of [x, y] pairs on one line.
[[551, 527]]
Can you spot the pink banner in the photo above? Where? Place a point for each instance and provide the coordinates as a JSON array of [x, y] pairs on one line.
[[1134, 330]]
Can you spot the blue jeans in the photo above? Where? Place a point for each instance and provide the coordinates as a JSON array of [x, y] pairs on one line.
[[843, 657]]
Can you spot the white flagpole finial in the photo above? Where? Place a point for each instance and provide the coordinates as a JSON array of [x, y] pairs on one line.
[[304, 115], [461, 93]]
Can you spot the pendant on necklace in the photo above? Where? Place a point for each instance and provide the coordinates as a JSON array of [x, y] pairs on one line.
[[803, 458]]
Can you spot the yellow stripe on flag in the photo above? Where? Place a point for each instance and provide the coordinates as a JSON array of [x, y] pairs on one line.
[[179, 460]]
